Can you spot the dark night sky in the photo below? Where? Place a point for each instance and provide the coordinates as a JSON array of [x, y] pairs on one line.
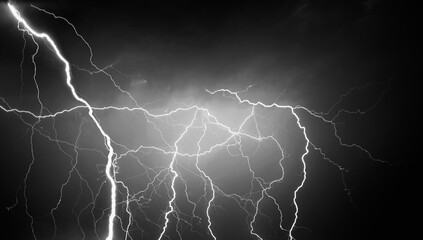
[[314, 51]]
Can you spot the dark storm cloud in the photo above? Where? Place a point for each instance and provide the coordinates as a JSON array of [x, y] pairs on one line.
[[289, 45], [300, 47], [370, 4], [175, 46]]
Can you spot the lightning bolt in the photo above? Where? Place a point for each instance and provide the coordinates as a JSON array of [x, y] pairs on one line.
[[109, 171], [200, 119]]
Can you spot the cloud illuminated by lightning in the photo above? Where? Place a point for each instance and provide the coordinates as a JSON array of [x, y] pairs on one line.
[[201, 119]]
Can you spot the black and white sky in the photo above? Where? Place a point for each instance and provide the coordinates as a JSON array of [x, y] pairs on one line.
[[167, 53]]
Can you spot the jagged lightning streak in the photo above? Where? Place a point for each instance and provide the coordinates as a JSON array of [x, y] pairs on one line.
[[236, 96], [207, 119], [109, 167], [175, 175]]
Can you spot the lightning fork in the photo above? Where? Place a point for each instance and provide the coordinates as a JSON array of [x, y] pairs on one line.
[[109, 165]]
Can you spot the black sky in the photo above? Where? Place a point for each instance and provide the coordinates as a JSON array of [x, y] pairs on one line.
[[315, 50]]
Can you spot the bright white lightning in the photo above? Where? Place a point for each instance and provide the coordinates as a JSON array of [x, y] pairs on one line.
[[207, 119], [107, 139]]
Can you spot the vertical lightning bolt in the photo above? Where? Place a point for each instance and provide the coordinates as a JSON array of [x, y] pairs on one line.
[[235, 95], [109, 166], [175, 175]]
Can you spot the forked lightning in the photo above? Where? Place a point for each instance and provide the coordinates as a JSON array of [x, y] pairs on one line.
[[200, 119]]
